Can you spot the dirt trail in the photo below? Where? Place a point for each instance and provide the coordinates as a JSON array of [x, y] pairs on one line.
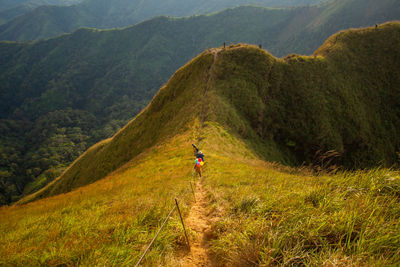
[[199, 221]]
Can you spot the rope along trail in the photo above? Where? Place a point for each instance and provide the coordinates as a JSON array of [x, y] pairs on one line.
[[199, 221]]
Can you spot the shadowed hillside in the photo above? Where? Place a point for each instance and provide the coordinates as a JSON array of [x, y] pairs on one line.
[[288, 110]]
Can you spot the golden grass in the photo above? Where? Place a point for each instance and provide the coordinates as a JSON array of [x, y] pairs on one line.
[[268, 214], [274, 215], [108, 222]]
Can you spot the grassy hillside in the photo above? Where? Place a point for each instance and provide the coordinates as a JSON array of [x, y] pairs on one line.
[[266, 214], [260, 212], [344, 98], [170, 112], [48, 21], [106, 79], [332, 101], [106, 223], [53, 106]]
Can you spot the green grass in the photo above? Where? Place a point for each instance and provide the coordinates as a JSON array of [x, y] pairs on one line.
[[110, 75], [265, 213], [287, 110], [343, 99], [106, 223], [273, 215], [171, 112]]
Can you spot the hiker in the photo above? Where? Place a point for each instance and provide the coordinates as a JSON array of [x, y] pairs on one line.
[[199, 162]]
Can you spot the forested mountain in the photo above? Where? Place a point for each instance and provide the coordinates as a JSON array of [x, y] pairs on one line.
[[9, 9], [62, 95], [48, 21]]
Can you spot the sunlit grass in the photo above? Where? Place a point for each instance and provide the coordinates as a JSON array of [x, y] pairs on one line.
[[106, 223], [272, 215]]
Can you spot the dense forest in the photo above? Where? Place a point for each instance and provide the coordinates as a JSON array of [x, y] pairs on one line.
[[59, 96]]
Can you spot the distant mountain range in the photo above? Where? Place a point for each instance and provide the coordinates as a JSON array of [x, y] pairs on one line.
[[48, 21], [60, 96], [10, 9]]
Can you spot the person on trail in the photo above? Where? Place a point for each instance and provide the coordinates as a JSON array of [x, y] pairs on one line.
[[199, 162]]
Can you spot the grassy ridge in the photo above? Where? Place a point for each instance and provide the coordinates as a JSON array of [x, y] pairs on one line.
[[288, 110], [343, 98], [109, 222]]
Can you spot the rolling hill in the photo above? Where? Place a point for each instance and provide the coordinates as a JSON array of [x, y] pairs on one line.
[[62, 95], [48, 21], [241, 106], [10, 9]]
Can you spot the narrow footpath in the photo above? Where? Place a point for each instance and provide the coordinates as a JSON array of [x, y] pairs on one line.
[[199, 221]]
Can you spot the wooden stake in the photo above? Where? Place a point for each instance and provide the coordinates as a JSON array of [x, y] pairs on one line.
[[184, 229]]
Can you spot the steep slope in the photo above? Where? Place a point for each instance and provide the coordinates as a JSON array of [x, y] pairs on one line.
[[106, 79], [344, 98], [172, 110], [48, 21], [60, 96], [288, 110], [108, 222]]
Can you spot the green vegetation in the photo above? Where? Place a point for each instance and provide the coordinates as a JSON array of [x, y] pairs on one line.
[[343, 99], [10, 9], [106, 223], [172, 109], [94, 81], [263, 213], [289, 110], [274, 215]]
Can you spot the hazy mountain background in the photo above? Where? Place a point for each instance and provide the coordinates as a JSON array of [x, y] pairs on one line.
[[62, 95], [47, 21], [9, 9]]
